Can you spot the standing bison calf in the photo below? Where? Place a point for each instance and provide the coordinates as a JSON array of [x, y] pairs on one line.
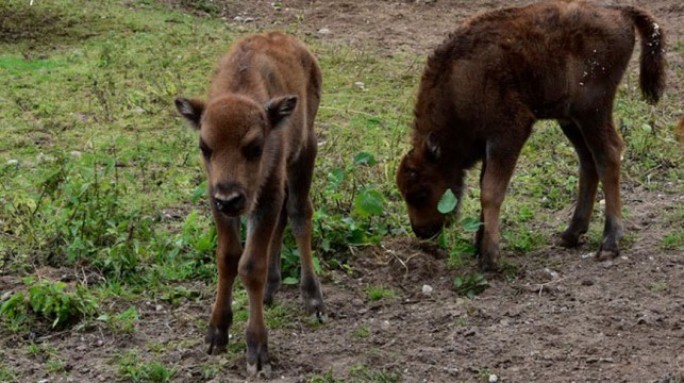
[[487, 84], [258, 143]]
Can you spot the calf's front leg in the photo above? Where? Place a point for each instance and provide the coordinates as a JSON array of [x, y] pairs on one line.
[[227, 257], [497, 171], [253, 269]]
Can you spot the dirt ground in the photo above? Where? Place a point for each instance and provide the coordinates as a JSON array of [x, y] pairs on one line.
[[563, 318]]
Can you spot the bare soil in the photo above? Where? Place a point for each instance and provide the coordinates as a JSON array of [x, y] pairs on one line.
[[560, 317]]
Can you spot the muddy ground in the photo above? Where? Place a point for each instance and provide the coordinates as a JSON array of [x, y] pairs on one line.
[[563, 317]]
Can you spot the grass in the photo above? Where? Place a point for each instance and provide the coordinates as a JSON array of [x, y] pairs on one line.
[[376, 293], [101, 178]]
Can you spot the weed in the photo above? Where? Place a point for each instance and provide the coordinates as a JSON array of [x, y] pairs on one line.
[[7, 375], [362, 373], [123, 322], [52, 301], [470, 285], [659, 287], [376, 293], [673, 240], [328, 377], [132, 369], [361, 332]]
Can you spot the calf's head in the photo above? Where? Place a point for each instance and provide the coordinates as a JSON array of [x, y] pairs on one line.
[[422, 184], [236, 144]]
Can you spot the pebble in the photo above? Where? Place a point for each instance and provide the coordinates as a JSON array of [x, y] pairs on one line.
[[324, 31], [607, 264], [493, 378], [427, 290], [385, 325]]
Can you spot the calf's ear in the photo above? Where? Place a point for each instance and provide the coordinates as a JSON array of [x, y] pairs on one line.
[[279, 108], [191, 109]]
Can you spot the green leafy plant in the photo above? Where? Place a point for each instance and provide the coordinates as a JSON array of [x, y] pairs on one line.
[[123, 322], [132, 369], [470, 284], [55, 302]]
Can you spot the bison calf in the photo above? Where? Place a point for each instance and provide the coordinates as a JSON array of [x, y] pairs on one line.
[[487, 84], [258, 144]]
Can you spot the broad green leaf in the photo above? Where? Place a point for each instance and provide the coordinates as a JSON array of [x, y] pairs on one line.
[[364, 158], [471, 224], [369, 202], [447, 203]]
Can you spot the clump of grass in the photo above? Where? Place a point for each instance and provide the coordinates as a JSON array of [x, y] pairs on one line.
[[376, 293], [54, 302], [133, 369]]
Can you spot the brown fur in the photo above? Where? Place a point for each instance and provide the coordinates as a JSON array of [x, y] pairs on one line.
[[487, 84], [258, 144]]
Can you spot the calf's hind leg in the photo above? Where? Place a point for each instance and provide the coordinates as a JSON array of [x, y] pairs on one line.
[[588, 183], [274, 276], [605, 146], [300, 213]]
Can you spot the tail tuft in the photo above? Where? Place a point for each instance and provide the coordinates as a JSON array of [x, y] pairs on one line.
[[652, 61]]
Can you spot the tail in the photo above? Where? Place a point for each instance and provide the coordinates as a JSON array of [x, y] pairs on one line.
[[653, 64]]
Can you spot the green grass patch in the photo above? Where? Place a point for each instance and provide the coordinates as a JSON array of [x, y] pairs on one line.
[[376, 293]]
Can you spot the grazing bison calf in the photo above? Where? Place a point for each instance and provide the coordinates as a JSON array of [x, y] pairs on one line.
[[258, 143], [487, 84]]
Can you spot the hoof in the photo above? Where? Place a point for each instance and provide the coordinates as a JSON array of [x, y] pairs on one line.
[[487, 263], [568, 240], [313, 299], [605, 255], [217, 340], [264, 372], [272, 287]]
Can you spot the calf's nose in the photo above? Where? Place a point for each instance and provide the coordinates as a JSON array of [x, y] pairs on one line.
[[231, 204]]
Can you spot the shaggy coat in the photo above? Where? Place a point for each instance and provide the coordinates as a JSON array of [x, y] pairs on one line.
[[497, 74], [258, 144]]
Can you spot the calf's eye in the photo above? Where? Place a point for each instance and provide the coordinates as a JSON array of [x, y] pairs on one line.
[[253, 151], [206, 151]]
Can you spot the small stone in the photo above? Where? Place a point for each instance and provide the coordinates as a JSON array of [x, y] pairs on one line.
[[427, 290], [324, 31], [158, 308], [493, 378], [607, 264], [360, 85], [12, 163], [5, 296], [385, 325], [551, 273]]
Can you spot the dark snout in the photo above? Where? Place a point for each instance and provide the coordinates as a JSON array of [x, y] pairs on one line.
[[230, 200], [427, 232]]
